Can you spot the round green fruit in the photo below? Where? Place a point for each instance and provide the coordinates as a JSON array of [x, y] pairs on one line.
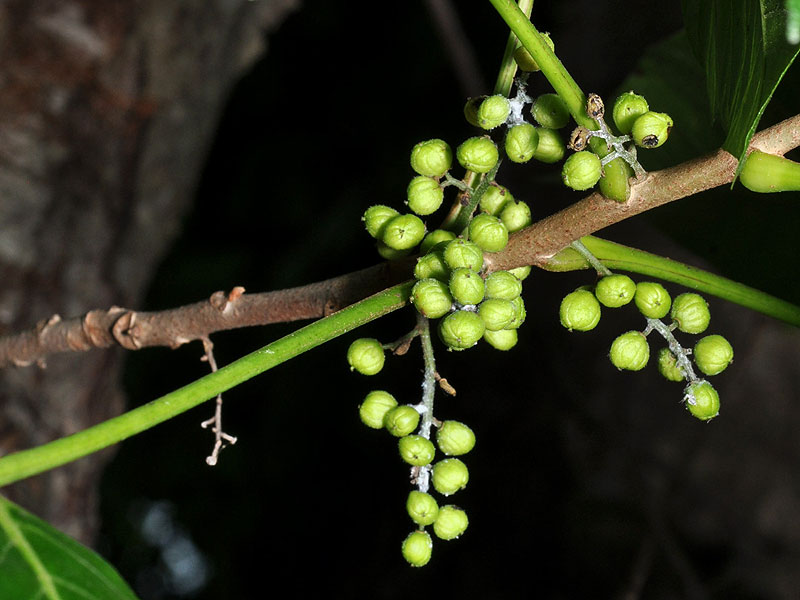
[[471, 110], [521, 273], [524, 59], [712, 354], [374, 408], [550, 111], [494, 199], [497, 314], [493, 111], [516, 215], [702, 400], [579, 311], [422, 508], [488, 232], [416, 450], [450, 523], [478, 154], [521, 142], [690, 312], [466, 286], [627, 108], [417, 548], [432, 265], [503, 285], [461, 329], [615, 290], [424, 195], [651, 129], [582, 170], [449, 476], [668, 365], [388, 253], [431, 298], [437, 236], [462, 253], [455, 438], [630, 351], [551, 147], [652, 300], [401, 420], [376, 217], [365, 355], [505, 339], [403, 232], [431, 158], [519, 305]]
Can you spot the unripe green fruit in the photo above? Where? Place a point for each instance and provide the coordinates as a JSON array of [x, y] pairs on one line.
[[462, 253], [521, 273], [416, 450], [497, 314], [516, 216], [388, 253], [614, 183], [690, 312], [455, 438], [519, 305], [651, 129], [627, 108], [581, 170], [521, 142], [524, 59], [505, 339], [702, 400], [461, 329], [403, 232], [432, 265], [615, 290], [493, 111], [488, 232], [713, 354], [478, 154], [401, 420], [494, 199], [376, 217], [422, 508], [550, 111], [551, 147], [451, 522], [424, 194], [466, 286], [449, 475], [431, 298], [374, 408], [471, 110], [630, 351], [652, 300], [580, 311], [766, 173], [365, 355], [668, 365], [437, 236], [417, 548], [503, 285], [431, 158]]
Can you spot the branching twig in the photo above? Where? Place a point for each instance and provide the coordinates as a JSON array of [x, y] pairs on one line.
[[220, 437]]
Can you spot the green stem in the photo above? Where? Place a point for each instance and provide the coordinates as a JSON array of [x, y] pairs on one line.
[[508, 66], [465, 214], [61, 451]]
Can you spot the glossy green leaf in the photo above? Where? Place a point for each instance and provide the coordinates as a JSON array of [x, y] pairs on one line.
[[39, 562], [793, 22]]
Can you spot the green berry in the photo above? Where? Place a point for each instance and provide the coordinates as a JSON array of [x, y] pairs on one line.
[[401, 420], [466, 286], [521, 142], [519, 305], [424, 195], [702, 400], [516, 215], [437, 236], [417, 548], [580, 311], [449, 476], [630, 351], [494, 199], [652, 300], [431, 298], [505, 339], [668, 365], [431, 158], [365, 355], [551, 147], [581, 170], [461, 329], [524, 59], [766, 173], [627, 108], [471, 110], [374, 408], [416, 450], [713, 354], [388, 253], [651, 129], [403, 232], [488, 232], [503, 285], [432, 265], [462, 253], [615, 290], [422, 508], [455, 438], [550, 111], [493, 111], [478, 154], [450, 523], [497, 314], [614, 183], [376, 217], [521, 273], [690, 312]]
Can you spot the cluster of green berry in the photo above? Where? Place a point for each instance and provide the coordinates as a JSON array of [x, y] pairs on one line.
[[689, 312]]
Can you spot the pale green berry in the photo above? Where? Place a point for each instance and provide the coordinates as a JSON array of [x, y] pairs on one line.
[[401, 420], [454, 438], [432, 265], [766, 173], [550, 111], [449, 475], [471, 110], [579, 311], [582, 170], [422, 508], [466, 286], [614, 184], [493, 111], [416, 450], [424, 195], [627, 108], [551, 147], [450, 523], [403, 232], [365, 355], [713, 354], [497, 314], [462, 253], [519, 306], [652, 300], [505, 339], [668, 365], [488, 232], [478, 154], [461, 329], [431, 158], [494, 199], [516, 215], [651, 129], [630, 351], [417, 548], [376, 217], [374, 408], [431, 298], [702, 400], [521, 273], [690, 312], [615, 290], [503, 285], [521, 142], [437, 236], [524, 59], [388, 253]]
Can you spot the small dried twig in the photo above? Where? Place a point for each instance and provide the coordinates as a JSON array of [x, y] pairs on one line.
[[220, 436]]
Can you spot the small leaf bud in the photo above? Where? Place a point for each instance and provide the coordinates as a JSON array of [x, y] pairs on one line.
[[376, 217], [579, 311], [365, 355], [766, 173], [505, 339], [581, 170], [437, 236], [652, 300], [403, 232], [627, 108], [615, 290], [431, 158], [524, 59], [401, 420], [690, 312], [494, 199], [516, 215], [503, 285], [424, 195], [521, 142], [497, 314], [455, 438], [471, 110], [450, 523], [493, 111], [488, 232], [461, 329], [422, 508], [466, 286], [630, 351], [651, 129], [668, 365], [713, 354], [550, 111], [416, 450], [374, 408], [431, 298], [462, 253], [478, 154], [702, 400], [551, 147], [449, 476], [417, 548], [432, 265]]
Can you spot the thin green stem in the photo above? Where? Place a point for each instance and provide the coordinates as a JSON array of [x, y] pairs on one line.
[[53, 454], [508, 66], [465, 214], [590, 258]]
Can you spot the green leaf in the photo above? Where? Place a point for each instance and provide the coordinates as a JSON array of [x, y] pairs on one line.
[[38, 561], [793, 21], [742, 46]]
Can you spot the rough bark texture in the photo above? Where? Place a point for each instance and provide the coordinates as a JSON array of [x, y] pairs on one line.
[[106, 113]]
